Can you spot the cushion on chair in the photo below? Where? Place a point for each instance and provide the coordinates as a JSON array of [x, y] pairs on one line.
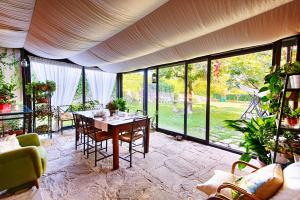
[[9, 143], [210, 187], [66, 116], [126, 137], [291, 185], [264, 182]]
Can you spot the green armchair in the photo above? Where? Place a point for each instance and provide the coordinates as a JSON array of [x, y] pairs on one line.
[[23, 167]]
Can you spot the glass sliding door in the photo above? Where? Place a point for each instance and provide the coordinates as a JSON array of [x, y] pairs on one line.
[[171, 98], [133, 87], [196, 99], [234, 85]]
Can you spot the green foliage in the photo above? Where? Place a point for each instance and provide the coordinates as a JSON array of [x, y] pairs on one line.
[[7, 92], [40, 87], [117, 104], [90, 105], [257, 134], [292, 67]]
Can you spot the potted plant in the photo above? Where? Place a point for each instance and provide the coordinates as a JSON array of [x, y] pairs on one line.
[[112, 107], [42, 129], [42, 98], [257, 132], [6, 95], [14, 127], [51, 86], [291, 115], [295, 146], [291, 68], [121, 104]]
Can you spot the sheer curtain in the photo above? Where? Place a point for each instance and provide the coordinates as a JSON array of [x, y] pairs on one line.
[[65, 75], [101, 84]]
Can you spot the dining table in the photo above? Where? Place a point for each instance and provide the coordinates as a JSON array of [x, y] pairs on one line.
[[116, 124]]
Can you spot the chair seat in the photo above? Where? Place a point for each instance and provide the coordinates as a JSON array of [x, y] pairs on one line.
[[126, 137], [100, 136], [66, 116]]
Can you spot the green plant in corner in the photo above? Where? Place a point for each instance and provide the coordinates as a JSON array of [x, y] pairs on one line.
[[7, 92], [257, 133], [121, 104]]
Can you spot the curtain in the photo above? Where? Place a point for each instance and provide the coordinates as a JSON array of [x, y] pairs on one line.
[[101, 84], [65, 75]]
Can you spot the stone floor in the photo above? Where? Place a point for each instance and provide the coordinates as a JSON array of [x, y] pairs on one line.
[[171, 170]]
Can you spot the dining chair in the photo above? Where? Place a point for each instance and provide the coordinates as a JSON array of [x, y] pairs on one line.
[[79, 134], [137, 131], [95, 137]]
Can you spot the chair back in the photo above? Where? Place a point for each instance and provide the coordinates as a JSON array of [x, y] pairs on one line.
[[77, 121], [88, 125], [139, 124]]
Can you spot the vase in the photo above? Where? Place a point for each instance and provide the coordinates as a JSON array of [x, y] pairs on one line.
[[111, 112], [296, 157], [6, 107], [295, 81]]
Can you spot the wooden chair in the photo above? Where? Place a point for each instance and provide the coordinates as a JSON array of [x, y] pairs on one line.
[[244, 194], [79, 133], [64, 116], [94, 137], [138, 131]]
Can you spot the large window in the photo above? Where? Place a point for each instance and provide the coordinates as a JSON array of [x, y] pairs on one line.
[[133, 84], [196, 99], [171, 98], [234, 85]]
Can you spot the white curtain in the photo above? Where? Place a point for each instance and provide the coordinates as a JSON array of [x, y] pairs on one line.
[[101, 84], [65, 75]]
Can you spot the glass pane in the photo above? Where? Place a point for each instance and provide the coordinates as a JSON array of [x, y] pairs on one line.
[[196, 99], [151, 95], [234, 83], [133, 90], [171, 98]]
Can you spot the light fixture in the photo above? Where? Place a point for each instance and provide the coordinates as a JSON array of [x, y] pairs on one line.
[[24, 63], [154, 79]]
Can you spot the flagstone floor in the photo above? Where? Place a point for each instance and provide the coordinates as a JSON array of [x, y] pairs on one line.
[[171, 170]]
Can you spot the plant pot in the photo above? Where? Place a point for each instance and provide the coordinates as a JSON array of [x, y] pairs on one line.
[[111, 112], [295, 81], [260, 163], [296, 157], [280, 157], [292, 121], [6, 107], [42, 100], [17, 132]]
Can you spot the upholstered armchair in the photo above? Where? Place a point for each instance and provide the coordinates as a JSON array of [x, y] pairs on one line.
[[24, 166]]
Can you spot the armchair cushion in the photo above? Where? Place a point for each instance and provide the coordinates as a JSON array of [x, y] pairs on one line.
[[264, 182], [30, 139], [43, 155], [9, 143], [210, 187]]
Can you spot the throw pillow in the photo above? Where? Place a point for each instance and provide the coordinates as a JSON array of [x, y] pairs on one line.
[[264, 182], [9, 143], [211, 186]]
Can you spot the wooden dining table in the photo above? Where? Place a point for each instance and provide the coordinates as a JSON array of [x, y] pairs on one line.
[[116, 125]]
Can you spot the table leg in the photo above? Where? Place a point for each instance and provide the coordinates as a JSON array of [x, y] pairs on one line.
[[115, 142], [146, 146]]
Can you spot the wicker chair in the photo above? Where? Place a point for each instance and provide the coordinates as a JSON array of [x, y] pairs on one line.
[[138, 130]]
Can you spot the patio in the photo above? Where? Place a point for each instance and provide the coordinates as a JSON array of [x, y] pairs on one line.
[[171, 170]]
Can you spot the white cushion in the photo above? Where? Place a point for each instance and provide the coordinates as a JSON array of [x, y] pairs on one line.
[[9, 143], [211, 186], [291, 185]]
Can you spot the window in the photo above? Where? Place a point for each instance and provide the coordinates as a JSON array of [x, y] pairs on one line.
[[171, 98], [234, 85], [196, 99], [133, 84]]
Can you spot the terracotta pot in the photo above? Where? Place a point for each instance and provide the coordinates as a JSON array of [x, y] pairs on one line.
[[6, 107], [17, 132], [292, 121], [42, 100]]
